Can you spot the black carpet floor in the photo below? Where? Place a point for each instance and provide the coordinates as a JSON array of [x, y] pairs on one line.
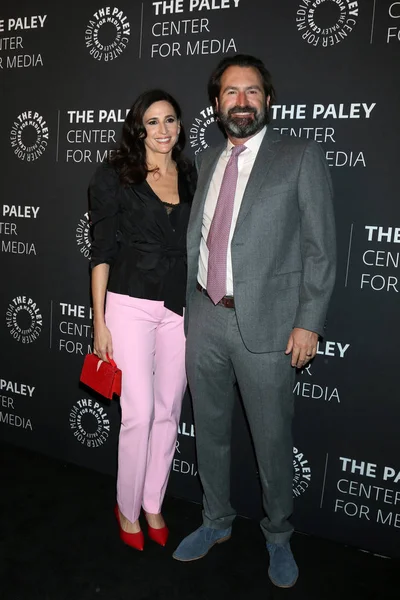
[[59, 541]]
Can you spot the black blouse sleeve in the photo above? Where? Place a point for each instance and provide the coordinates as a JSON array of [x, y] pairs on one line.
[[103, 205]]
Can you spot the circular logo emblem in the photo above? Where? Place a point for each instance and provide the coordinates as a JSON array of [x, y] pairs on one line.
[[107, 33], [301, 473], [29, 136], [326, 22], [83, 237], [201, 135], [24, 320], [89, 423]]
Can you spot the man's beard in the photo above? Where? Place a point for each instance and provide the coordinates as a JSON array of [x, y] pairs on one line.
[[244, 127]]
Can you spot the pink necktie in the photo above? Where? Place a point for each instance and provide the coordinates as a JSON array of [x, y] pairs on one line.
[[218, 236]]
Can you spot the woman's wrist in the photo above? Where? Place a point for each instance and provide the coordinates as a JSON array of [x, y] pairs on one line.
[[98, 320]]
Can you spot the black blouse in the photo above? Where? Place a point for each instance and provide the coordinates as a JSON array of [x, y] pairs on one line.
[[132, 232]]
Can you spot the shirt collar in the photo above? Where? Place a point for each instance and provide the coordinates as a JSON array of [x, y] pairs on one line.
[[253, 144]]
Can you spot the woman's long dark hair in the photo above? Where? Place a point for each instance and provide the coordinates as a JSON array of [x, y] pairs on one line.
[[130, 157]]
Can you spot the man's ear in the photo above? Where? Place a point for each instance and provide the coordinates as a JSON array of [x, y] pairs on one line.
[[267, 101], [216, 105]]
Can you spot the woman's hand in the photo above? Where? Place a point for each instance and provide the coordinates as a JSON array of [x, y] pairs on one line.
[[102, 341]]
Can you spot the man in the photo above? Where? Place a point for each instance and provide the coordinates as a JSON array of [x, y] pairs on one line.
[[261, 268]]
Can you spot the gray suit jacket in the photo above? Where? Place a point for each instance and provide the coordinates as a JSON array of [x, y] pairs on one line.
[[283, 247]]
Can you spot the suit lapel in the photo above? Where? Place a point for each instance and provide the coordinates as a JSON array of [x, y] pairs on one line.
[[268, 149], [207, 168]]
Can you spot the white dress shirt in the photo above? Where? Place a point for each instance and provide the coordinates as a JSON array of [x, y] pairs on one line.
[[245, 164]]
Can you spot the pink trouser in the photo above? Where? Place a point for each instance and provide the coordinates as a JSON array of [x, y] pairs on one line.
[[149, 348]]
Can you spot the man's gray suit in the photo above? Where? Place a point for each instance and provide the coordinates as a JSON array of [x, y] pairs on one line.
[[283, 261]]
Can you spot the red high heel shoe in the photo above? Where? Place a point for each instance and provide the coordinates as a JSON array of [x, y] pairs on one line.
[[134, 540], [160, 536]]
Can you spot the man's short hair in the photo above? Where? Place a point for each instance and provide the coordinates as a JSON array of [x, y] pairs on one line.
[[240, 60]]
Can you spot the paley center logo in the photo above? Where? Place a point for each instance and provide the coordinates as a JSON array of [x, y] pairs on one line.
[[301, 473], [201, 135], [90, 423], [107, 33], [83, 237], [29, 136], [24, 319], [326, 22]]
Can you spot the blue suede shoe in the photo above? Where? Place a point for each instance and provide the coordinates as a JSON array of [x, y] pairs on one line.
[[197, 544], [283, 571]]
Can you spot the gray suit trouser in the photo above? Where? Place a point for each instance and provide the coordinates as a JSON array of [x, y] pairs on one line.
[[216, 359]]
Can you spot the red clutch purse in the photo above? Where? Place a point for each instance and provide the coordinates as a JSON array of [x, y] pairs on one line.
[[102, 377]]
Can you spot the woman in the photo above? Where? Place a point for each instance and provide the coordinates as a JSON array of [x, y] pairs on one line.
[[140, 204]]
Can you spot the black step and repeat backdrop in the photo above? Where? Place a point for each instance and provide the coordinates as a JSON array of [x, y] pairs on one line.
[[69, 71]]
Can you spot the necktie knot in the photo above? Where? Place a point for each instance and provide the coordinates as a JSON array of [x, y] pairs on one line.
[[236, 150]]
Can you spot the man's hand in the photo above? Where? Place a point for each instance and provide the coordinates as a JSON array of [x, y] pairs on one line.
[[303, 346]]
